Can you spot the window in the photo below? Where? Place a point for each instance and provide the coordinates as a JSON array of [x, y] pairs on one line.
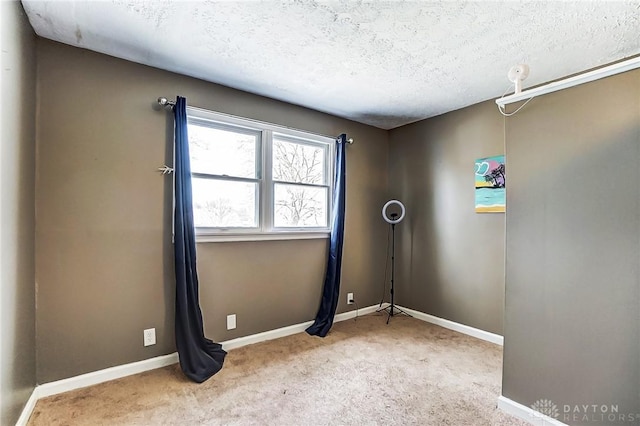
[[258, 179]]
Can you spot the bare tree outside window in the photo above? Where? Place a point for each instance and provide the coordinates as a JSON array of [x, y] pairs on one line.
[[224, 204], [237, 189], [300, 195], [220, 201]]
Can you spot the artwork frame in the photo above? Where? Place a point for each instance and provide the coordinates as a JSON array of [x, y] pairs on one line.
[[490, 185]]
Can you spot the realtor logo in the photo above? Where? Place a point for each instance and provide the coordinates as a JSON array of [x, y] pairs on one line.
[[546, 407]]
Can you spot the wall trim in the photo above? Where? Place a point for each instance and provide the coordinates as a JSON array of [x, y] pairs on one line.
[[455, 326], [266, 335], [105, 375], [289, 330], [28, 408], [90, 379], [117, 372], [525, 413]]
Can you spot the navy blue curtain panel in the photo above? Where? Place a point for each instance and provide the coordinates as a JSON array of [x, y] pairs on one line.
[[200, 358], [331, 289]]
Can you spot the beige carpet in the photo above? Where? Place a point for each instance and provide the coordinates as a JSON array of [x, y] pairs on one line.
[[363, 373]]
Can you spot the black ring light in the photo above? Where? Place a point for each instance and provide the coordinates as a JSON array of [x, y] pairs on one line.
[[392, 309], [387, 218]]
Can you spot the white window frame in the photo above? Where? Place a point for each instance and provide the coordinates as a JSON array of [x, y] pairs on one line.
[[265, 203]]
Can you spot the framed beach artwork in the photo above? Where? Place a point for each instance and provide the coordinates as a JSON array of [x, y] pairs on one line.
[[490, 185]]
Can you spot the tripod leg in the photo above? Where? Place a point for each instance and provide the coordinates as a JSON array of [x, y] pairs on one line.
[[401, 312]]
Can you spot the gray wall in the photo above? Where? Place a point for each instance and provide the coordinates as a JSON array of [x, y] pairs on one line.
[[17, 168], [572, 320], [104, 253], [450, 260]]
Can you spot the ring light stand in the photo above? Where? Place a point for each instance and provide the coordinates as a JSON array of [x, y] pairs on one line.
[[392, 220]]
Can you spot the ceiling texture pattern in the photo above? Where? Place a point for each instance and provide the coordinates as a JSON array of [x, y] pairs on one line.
[[383, 63]]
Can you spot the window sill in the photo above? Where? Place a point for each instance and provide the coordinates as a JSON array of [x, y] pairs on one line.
[[224, 238]]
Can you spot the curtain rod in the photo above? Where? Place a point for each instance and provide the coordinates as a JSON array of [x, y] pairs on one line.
[[162, 101], [597, 74]]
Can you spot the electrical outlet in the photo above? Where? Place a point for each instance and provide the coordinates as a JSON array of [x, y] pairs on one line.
[[149, 336], [231, 321], [350, 299]]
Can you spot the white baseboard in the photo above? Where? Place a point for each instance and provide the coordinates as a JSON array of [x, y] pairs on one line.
[[289, 330], [360, 312], [264, 336], [28, 409], [90, 379], [100, 376], [525, 413], [460, 328], [112, 373]]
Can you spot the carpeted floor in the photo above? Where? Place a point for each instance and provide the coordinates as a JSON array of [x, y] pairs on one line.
[[363, 373]]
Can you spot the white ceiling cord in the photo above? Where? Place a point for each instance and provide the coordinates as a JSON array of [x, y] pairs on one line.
[[501, 107], [514, 112], [587, 77], [516, 75]]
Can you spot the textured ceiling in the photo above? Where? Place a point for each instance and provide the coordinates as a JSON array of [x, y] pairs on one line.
[[384, 63]]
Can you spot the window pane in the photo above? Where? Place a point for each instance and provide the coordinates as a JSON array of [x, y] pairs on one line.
[[224, 204], [222, 152], [299, 206], [296, 162]]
